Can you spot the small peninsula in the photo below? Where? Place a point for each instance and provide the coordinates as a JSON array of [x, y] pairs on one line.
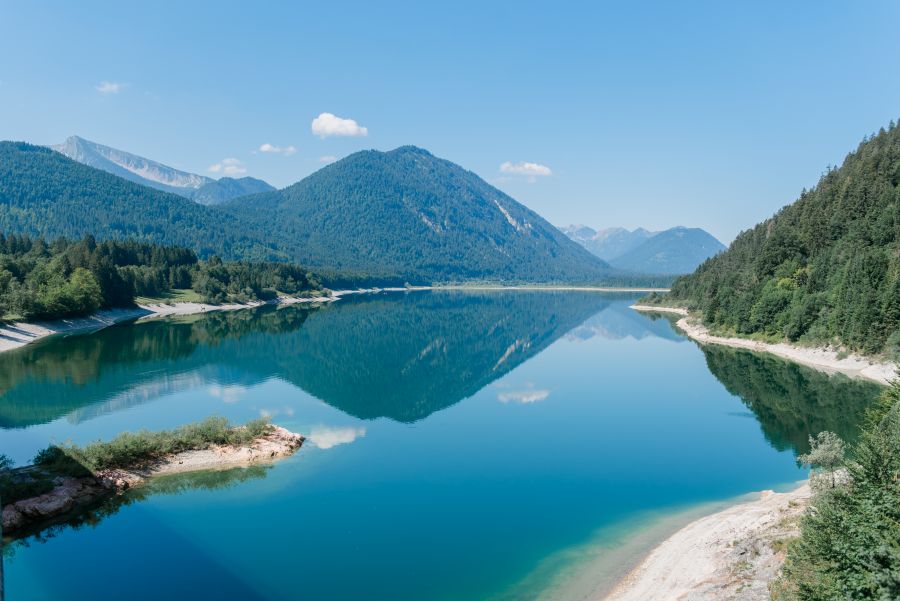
[[65, 478]]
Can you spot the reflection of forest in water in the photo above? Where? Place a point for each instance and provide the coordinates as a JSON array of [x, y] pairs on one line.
[[401, 356], [90, 516], [790, 401]]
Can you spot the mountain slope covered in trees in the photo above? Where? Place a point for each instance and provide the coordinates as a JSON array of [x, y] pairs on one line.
[[137, 169], [677, 250], [132, 167], [823, 269], [226, 188], [409, 212], [43, 193], [674, 251]]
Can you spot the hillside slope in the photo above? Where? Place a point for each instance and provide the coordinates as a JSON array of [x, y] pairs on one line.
[[43, 193], [226, 188], [824, 269], [408, 212], [678, 250], [137, 169], [131, 166]]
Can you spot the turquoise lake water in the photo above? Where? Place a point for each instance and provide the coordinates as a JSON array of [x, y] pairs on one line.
[[462, 445]]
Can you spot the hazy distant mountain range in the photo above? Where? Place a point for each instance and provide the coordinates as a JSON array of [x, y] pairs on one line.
[[403, 215], [674, 251], [132, 167]]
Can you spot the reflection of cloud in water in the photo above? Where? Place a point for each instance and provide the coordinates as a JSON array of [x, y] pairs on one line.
[[528, 395], [229, 394], [270, 413], [326, 437]]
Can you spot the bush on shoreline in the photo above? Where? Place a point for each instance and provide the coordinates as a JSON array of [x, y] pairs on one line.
[[849, 544]]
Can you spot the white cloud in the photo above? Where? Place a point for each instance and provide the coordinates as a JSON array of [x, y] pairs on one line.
[[271, 148], [228, 167], [530, 170], [327, 124], [109, 87], [327, 159], [523, 396], [326, 437]]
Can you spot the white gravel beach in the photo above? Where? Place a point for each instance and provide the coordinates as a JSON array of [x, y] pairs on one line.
[[729, 555]]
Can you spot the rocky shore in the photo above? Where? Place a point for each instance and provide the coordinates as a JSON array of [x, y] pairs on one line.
[[823, 359], [70, 493]]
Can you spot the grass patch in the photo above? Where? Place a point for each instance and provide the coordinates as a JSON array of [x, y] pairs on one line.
[[175, 295], [131, 449]]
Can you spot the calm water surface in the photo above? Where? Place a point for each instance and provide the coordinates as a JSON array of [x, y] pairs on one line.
[[461, 445]]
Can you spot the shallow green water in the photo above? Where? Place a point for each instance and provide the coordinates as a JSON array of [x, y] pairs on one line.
[[462, 445]]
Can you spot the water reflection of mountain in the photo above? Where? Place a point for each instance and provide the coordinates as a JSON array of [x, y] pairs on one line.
[[617, 321], [791, 401], [396, 356], [125, 365]]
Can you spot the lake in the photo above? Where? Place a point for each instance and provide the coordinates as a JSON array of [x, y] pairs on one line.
[[461, 445]]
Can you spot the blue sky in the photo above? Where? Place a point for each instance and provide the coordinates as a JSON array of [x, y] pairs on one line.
[[645, 114]]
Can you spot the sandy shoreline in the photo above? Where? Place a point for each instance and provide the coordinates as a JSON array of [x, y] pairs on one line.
[[822, 359], [16, 335], [727, 555]]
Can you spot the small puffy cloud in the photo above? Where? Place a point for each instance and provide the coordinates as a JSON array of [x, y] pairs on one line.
[[229, 166], [326, 437], [327, 124], [327, 159], [272, 149], [531, 170], [109, 87], [523, 396]]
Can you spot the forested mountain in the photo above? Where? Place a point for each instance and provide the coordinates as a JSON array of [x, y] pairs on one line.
[[823, 269], [226, 188], [408, 212], [199, 188], [43, 193], [386, 216], [131, 166], [674, 251]]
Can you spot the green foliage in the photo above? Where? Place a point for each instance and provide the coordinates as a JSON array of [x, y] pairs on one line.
[[62, 279], [849, 547], [824, 269], [135, 448], [407, 213], [44, 193], [5, 462], [826, 455]]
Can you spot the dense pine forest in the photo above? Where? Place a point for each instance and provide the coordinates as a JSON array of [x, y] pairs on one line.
[[41, 280], [825, 269]]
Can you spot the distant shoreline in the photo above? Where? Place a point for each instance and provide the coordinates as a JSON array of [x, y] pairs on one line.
[[822, 359], [19, 334]]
